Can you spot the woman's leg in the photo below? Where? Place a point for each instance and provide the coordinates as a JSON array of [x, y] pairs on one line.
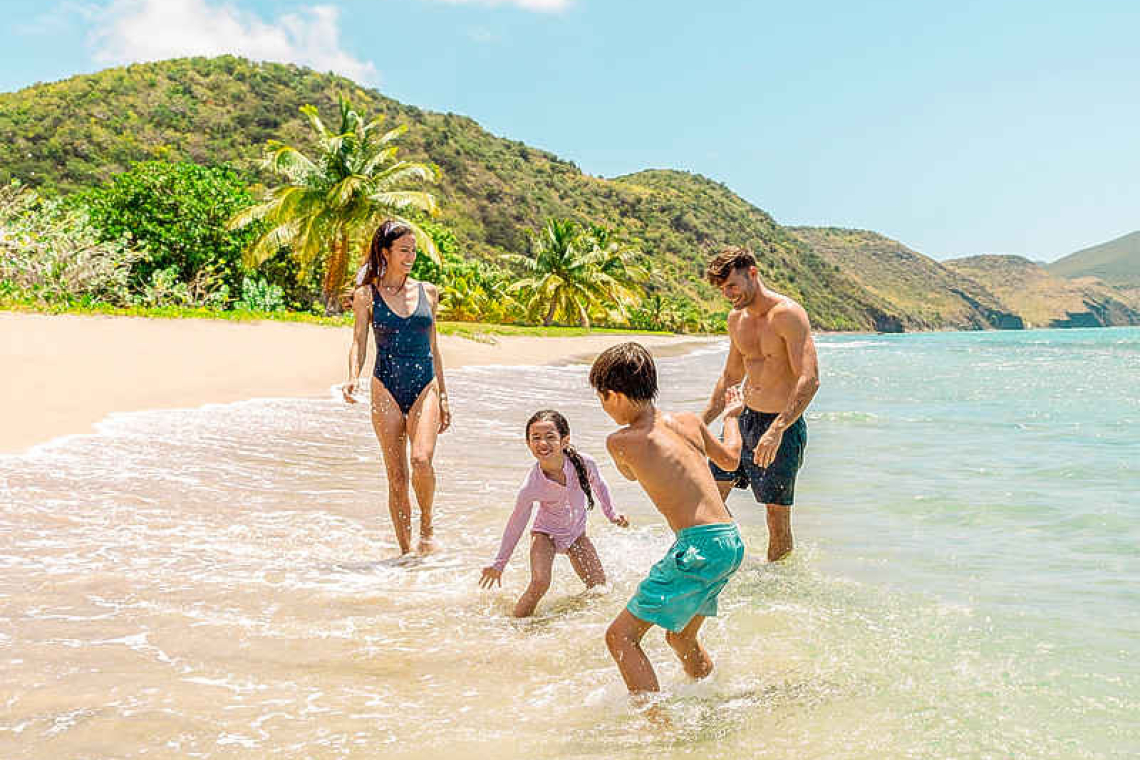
[[423, 429], [541, 562], [388, 422], [584, 559]]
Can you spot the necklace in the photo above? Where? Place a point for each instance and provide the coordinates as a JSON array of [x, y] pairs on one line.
[[394, 288]]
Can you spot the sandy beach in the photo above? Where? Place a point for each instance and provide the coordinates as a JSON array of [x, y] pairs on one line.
[[64, 373]]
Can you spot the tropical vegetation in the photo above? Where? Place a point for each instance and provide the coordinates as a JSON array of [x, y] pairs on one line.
[[329, 205]]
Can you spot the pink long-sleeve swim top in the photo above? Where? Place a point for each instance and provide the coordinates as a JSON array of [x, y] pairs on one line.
[[561, 509]]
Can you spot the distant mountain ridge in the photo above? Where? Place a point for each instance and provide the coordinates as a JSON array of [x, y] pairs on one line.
[[924, 294], [1045, 300], [1116, 262]]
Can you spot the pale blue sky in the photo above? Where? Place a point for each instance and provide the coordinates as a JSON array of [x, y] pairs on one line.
[[956, 128]]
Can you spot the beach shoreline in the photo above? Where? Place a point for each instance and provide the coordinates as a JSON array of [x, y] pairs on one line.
[[65, 373]]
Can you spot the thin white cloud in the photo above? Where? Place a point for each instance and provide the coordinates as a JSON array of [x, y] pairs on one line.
[[129, 31], [482, 35], [542, 6]]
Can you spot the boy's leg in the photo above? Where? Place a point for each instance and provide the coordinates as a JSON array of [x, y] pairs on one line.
[[623, 638], [779, 531], [541, 562], [584, 559], [694, 659]]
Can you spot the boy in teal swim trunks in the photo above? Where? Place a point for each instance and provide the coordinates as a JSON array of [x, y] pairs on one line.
[[667, 453]]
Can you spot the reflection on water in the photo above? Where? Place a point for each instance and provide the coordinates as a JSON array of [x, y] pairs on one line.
[[221, 583]]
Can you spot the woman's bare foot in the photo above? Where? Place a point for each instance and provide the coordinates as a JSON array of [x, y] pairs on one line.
[[426, 545]]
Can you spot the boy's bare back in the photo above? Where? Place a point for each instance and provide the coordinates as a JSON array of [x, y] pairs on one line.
[[667, 456]]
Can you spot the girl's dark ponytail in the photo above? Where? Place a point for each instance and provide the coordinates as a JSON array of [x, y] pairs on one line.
[[580, 468], [563, 428]]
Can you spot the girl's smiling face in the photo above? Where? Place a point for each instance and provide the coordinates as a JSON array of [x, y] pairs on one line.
[[545, 442]]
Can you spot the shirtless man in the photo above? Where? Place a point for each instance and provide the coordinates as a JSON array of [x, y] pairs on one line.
[[771, 345], [666, 454]]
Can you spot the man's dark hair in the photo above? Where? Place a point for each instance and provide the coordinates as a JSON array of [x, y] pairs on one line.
[[726, 262], [626, 368]]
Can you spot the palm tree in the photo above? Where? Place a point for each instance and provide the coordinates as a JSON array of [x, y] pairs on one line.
[[564, 276], [620, 261], [328, 205]]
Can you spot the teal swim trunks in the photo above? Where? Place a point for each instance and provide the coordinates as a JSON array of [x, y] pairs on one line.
[[688, 580]]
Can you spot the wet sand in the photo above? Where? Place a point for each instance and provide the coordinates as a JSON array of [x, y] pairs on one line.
[[64, 373]]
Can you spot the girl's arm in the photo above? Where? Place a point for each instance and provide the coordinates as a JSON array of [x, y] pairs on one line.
[[524, 505], [602, 492], [437, 361], [362, 316]]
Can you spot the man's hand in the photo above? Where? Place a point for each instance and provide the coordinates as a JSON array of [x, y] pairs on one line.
[[348, 389], [621, 521], [491, 576], [767, 447], [733, 402]]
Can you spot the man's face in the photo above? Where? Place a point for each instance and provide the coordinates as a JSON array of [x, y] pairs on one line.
[[740, 287]]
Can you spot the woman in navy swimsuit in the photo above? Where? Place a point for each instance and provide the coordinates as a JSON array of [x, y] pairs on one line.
[[409, 399]]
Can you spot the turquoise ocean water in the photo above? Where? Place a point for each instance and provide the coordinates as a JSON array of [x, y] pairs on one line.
[[217, 582]]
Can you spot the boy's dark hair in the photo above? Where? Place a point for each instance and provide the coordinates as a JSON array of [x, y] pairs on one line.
[[626, 368], [730, 259], [563, 428]]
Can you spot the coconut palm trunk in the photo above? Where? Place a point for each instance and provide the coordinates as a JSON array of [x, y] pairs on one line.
[[334, 275]]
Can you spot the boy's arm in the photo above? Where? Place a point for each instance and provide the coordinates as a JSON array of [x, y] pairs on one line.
[[726, 453], [616, 453], [602, 491]]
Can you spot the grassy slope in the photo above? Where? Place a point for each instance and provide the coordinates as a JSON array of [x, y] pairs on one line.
[[72, 134], [1045, 300], [925, 294], [1117, 262]]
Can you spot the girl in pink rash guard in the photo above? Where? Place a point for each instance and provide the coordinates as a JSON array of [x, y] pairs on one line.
[[564, 483]]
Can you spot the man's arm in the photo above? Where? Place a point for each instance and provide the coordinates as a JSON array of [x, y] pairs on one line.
[[616, 453], [792, 325], [732, 375]]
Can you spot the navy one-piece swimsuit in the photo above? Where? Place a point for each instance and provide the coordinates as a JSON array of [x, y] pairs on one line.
[[403, 349]]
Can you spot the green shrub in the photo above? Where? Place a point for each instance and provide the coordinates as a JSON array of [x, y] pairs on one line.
[[177, 213], [50, 252], [259, 295]]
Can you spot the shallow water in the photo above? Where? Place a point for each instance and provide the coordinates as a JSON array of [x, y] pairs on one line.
[[219, 582]]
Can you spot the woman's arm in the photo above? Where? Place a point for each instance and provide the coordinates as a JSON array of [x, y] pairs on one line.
[[362, 317], [437, 361]]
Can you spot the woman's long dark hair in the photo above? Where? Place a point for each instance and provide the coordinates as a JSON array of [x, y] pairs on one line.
[[563, 428], [374, 265]]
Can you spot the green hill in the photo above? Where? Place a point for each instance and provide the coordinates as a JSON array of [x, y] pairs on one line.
[[1117, 262], [69, 135], [1045, 300], [924, 294]]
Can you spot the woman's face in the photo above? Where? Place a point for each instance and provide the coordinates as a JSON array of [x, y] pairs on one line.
[[545, 442], [402, 255]]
